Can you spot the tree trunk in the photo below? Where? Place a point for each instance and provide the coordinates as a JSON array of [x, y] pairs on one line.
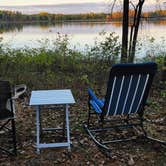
[[133, 39], [124, 51]]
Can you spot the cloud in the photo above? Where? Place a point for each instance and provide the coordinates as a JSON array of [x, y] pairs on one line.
[[44, 2]]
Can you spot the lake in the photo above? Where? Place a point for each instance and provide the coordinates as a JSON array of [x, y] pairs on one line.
[[81, 33]]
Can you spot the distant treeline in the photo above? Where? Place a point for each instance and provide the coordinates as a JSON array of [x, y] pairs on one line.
[[153, 14], [10, 16]]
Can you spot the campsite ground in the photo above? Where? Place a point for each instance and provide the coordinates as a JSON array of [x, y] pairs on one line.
[[84, 151]]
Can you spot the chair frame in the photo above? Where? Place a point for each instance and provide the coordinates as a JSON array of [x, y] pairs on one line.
[[18, 91], [126, 119], [12, 129]]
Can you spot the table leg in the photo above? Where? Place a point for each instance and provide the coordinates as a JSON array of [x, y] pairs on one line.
[[40, 122], [67, 126], [64, 121], [37, 128]]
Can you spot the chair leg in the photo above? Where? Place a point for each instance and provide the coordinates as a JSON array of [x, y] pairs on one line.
[[100, 145], [89, 113], [7, 151], [86, 127], [156, 140], [151, 138], [3, 126], [13, 130], [14, 137], [88, 121]]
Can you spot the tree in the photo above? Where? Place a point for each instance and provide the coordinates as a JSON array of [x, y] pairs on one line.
[[124, 50], [128, 52], [134, 30], [128, 49]]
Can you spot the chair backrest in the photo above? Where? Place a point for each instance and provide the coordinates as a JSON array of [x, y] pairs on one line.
[[5, 93], [128, 88]]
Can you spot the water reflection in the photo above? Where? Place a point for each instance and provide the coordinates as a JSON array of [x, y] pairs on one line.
[[14, 27], [80, 33], [7, 27]]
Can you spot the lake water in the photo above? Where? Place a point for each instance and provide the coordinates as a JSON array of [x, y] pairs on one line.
[[80, 34]]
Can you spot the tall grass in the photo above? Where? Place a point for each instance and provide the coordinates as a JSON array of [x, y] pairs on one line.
[[60, 66]]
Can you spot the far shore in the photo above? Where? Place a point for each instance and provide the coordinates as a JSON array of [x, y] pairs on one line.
[[77, 21], [44, 17]]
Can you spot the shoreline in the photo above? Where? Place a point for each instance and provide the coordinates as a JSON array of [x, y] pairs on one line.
[[77, 21]]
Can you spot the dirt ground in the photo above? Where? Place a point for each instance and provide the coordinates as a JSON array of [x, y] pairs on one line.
[[84, 151]]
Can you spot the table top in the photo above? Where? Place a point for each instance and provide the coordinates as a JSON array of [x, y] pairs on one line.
[[49, 97]]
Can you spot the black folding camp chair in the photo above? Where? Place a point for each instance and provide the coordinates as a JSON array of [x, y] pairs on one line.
[[124, 103], [7, 112]]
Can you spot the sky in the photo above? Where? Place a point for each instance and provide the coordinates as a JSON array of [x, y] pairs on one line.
[[48, 2], [78, 6], [44, 2]]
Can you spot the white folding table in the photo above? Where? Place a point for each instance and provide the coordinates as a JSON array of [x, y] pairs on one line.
[[51, 97]]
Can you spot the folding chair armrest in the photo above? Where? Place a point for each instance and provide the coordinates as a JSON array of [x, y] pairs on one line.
[[19, 90], [93, 97], [96, 107]]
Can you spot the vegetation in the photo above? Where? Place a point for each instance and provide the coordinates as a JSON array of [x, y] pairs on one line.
[[151, 14], [39, 68], [10, 16], [154, 14], [61, 67]]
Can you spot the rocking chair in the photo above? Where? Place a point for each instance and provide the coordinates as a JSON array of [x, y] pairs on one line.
[[124, 102]]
